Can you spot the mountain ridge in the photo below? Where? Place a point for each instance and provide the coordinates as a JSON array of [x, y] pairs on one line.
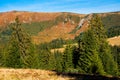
[[47, 26], [26, 17]]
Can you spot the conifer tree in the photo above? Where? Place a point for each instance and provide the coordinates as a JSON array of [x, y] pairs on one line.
[[116, 54], [20, 48], [44, 59], [75, 56], [104, 51], [52, 61], [67, 59], [58, 61], [1, 56], [89, 61]]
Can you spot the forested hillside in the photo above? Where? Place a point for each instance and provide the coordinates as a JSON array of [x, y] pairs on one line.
[[28, 45]]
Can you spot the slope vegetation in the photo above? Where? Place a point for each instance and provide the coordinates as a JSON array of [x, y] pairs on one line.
[[26, 17], [45, 27]]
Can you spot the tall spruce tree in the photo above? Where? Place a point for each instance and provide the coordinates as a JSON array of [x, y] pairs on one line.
[[89, 61], [103, 48], [20, 51]]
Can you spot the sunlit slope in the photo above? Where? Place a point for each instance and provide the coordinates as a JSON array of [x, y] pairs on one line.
[[114, 41], [29, 74]]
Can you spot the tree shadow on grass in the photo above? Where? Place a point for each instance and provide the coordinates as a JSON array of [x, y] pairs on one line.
[[87, 76]]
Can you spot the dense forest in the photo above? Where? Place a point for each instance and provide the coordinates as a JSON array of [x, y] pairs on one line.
[[93, 55]]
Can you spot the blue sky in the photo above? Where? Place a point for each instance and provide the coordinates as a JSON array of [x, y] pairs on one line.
[[76, 6]]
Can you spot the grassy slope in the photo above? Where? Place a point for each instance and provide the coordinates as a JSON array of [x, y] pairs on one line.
[[114, 41], [34, 28], [26, 17], [37, 74], [63, 25], [29, 74], [111, 19]]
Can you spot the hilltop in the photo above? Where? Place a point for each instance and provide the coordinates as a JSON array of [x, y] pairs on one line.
[[28, 17]]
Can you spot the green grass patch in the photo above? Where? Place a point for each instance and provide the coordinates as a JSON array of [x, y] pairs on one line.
[[35, 27]]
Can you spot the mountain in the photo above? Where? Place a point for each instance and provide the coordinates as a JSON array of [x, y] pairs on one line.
[[45, 27]]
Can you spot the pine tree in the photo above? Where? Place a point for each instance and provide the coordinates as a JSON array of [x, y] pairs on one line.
[[52, 61], [75, 56], [116, 54], [20, 52], [46, 59], [58, 61], [104, 51], [89, 61], [68, 59], [12, 56], [1, 56]]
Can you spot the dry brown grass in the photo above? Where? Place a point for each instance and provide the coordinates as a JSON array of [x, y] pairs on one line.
[[114, 41], [62, 49], [57, 49], [27, 17], [29, 74], [59, 31]]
